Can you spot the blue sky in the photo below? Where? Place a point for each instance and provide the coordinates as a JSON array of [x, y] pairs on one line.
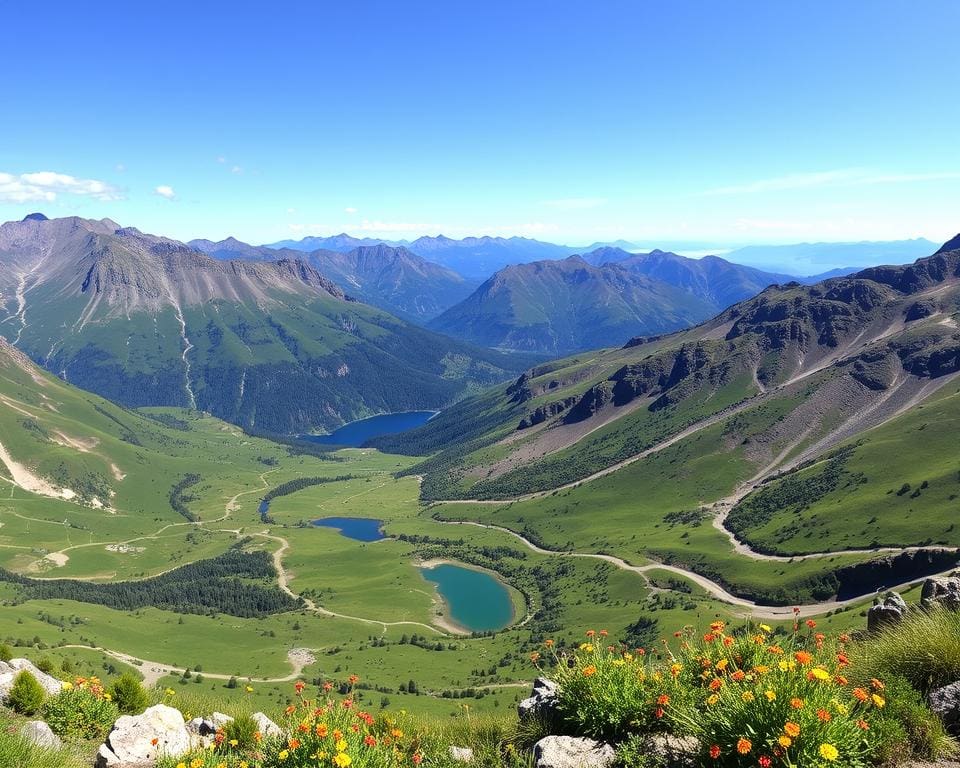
[[729, 122]]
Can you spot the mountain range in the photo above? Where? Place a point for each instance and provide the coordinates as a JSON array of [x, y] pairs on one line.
[[389, 277], [601, 298], [146, 320]]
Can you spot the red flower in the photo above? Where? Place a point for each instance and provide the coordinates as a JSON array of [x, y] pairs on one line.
[[714, 752], [764, 761]]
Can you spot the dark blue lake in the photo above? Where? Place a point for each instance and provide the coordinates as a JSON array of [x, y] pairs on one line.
[[359, 528], [477, 601], [356, 433]]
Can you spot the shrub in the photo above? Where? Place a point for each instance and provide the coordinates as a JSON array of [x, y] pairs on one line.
[[45, 664], [81, 710], [242, 732], [6, 652], [26, 695], [924, 648], [129, 694], [750, 698]]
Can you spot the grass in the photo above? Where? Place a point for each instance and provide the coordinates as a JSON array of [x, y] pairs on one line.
[[17, 753]]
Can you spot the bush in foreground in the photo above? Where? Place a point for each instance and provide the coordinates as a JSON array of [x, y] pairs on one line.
[[749, 697], [129, 694], [82, 710], [26, 695]]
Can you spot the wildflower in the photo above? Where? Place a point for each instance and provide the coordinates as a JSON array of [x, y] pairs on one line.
[[342, 760], [299, 686], [796, 703], [591, 633], [353, 679], [283, 754], [744, 746], [770, 694], [764, 761], [823, 716], [791, 729], [714, 752], [548, 643], [588, 670], [766, 628], [747, 696], [876, 684], [417, 758], [878, 701], [803, 658], [819, 673], [862, 725], [722, 664], [784, 741], [712, 699], [663, 700], [249, 689], [811, 623], [829, 752], [534, 657], [860, 694], [716, 684]]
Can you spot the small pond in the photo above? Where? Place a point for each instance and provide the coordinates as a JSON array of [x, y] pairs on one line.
[[359, 528], [477, 601], [356, 433]]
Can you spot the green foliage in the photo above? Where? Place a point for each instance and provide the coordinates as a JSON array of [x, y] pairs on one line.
[[636, 752], [45, 664], [200, 587], [6, 652], [17, 753], [299, 483], [179, 498], [906, 726], [26, 695], [129, 694], [82, 711], [243, 731], [924, 649]]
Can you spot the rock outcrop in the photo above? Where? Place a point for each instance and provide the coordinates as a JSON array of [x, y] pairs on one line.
[[10, 669], [136, 741], [572, 752], [943, 591], [887, 613], [39, 733], [945, 703], [541, 703], [265, 725]]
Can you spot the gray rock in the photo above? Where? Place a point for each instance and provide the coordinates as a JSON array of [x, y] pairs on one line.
[[10, 670], [461, 754], [941, 591], [39, 733], [675, 751], [542, 701], [136, 741], [106, 758], [220, 720], [888, 613], [572, 752], [945, 703], [265, 725]]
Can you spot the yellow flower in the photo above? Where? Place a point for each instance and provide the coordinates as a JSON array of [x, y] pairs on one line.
[[829, 752], [878, 701], [249, 689], [770, 694], [747, 696], [170, 692], [342, 760], [820, 673], [712, 699], [197, 762], [283, 754], [785, 741], [181, 765], [722, 664], [341, 746], [66, 686], [588, 647], [765, 628]]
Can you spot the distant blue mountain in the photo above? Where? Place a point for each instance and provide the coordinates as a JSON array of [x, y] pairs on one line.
[[809, 258]]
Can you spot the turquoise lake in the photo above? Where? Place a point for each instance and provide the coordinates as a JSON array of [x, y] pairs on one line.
[[356, 433], [477, 601], [359, 528]]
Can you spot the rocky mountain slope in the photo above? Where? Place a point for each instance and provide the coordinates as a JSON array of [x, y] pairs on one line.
[[145, 320], [558, 307], [392, 278]]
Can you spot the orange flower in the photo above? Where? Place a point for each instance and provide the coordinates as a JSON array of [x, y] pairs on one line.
[[588, 670], [548, 643], [796, 703], [791, 729], [862, 725], [811, 623], [860, 694], [714, 752], [876, 684], [803, 657], [663, 700], [716, 684], [823, 716], [744, 746]]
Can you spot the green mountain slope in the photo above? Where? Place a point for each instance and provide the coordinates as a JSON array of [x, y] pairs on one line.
[[768, 421], [557, 307], [144, 320]]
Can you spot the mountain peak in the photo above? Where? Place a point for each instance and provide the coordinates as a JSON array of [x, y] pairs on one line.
[[35, 217], [950, 245]]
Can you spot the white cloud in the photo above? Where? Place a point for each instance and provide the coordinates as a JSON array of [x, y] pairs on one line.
[[350, 209], [847, 177], [165, 191], [575, 203], [221, 159], [44, 186], [236, 169]]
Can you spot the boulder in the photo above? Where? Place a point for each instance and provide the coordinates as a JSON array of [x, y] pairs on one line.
[[941, 591], [136, 741], [887, 613], [39, 733], [675, 751], [265, 725], [572, 752], [220, 720], [9, 671], [945, 703], [542, 701], [461, 754]]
